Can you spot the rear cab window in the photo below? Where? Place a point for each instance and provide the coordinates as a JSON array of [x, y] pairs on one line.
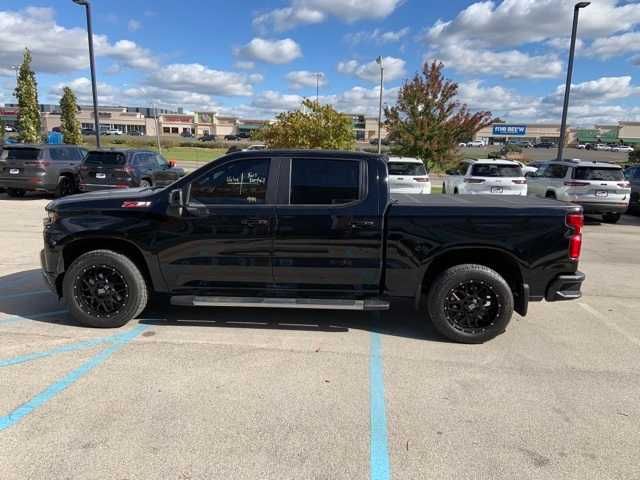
[[495, 170], [406, 168], [325, 182], [105, 159], [604, 174]]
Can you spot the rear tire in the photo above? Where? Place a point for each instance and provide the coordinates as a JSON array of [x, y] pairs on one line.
[[16, 192], [104, 289], [444, 188], [144, 183], [470, 303], [66, 186], [550, 195], [611, 217]]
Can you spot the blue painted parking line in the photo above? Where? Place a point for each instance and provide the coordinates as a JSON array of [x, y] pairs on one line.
[[24, 294], [379, 451], [71, 347], [18, 318], [65, 382]]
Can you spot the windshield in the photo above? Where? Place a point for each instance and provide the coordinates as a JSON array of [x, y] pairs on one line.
[[105, 159], [598, 173], [490, 170], [20, 154], [406, 168]]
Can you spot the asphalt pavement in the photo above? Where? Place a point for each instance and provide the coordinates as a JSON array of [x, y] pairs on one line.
[[187, 393]]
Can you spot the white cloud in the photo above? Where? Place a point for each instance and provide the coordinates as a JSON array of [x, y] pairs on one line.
[[56, 49], [563, 43], [602, 90], [515, 22], [362, 101], [304, 78], [165, 98], [498, 100], [270, 51], [377, 36], [107, 94], [272, 101], [614, 46], [508, 63], [244, 65], [197, 78], [134, 25], [304, 12], [394, 68]]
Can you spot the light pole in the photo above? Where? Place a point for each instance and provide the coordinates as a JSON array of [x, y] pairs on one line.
[[16, 68], [92, 62], [317, 87], [567, 88], [379, 62]]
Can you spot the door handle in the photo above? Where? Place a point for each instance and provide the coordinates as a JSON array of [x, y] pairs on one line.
[[254, 222], [363, 224]]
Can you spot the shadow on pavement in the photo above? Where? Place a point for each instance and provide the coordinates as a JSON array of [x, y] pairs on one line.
[[24, 294]]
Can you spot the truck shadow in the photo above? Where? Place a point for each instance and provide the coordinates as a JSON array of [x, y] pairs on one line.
[[25, 297]]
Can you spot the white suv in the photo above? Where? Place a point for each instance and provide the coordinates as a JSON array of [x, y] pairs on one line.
[[408, 175], [486, 176], [600, 187]]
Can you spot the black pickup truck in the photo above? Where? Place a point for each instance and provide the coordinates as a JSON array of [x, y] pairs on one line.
[[310, 229]]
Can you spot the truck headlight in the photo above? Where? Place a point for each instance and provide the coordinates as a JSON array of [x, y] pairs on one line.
[[52, 217]]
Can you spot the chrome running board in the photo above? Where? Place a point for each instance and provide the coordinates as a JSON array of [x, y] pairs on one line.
[[301, 303]]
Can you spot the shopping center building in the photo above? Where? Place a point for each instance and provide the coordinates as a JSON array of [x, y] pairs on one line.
[[532, 132]]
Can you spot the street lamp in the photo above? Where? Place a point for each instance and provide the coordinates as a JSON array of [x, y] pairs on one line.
[[379, 62], [92, 61], [567, 88], [17, 69]]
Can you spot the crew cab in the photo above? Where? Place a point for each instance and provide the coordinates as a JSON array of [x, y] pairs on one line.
[[310, 229]]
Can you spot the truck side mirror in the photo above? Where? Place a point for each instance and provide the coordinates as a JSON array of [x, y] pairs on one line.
[[175, 198], [172, 163]]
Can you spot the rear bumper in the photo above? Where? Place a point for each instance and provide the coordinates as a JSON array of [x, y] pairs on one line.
[[602, 207], [94, 187], [27, 183], [565, 287]]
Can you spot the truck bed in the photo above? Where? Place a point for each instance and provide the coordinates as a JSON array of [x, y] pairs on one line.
[[477, 201]]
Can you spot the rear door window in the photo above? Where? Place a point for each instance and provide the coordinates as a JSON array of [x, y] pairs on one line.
[[406, 168], [62, 154], [105, 159], [598, 173], [491, 170], [324, 182], [21, 154]]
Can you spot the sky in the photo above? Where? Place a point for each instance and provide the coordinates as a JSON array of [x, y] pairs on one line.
[[254, 58]]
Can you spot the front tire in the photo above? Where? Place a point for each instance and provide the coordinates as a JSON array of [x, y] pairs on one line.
[[611, 217], [104, 289], [470, 303]]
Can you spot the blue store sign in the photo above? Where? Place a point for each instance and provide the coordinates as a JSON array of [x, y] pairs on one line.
[[509, 130]]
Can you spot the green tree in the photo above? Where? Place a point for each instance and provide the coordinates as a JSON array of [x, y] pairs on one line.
[[70, 127], [427, 121], [316, 126], [634, 157], [1, 131], [27, 95]]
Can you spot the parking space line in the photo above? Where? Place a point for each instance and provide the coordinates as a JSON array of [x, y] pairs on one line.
[[65, 382], [24, 294], [609, 323], [72, 347], [18, 318], [379, 451]]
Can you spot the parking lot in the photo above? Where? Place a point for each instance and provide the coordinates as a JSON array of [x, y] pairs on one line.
[[249, 394]]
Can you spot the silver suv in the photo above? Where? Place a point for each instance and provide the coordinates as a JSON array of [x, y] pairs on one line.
[[600, 187], [43, 168]]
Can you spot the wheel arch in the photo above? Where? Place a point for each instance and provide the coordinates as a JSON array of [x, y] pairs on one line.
[[503, 262]]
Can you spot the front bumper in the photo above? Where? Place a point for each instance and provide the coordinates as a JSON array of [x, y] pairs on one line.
[[565, 287], [49, 276]]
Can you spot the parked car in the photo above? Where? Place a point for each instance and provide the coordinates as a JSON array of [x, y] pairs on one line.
[[244, 135], [42, 168], [408, 175], [581, 146], [186, 134], [476, 143], [374, 141], [520, 143], [603, 147], [545, 145], [231, 137], [310, 229], [526, 167], [487, 177], [9, 128], [622, 148], [537, 164], [136, 133], [207, 138], [88, 131], [112, 131], [257, 146], [632, 174], [599, 187], [126, 168]]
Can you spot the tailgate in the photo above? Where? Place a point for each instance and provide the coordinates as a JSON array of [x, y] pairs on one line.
[[21, 162], [104, 168]]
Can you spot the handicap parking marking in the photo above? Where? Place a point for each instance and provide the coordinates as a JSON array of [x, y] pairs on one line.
[[379, 450], [71, 347], [18, 318], [68, 380], [24, 294]]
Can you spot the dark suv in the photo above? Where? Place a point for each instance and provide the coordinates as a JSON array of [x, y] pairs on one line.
[[632, 174], [105, 169], [42, 168]]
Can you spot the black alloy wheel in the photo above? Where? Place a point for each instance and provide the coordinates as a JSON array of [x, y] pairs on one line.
[[472, 306], [101, 291], [66, 186]]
